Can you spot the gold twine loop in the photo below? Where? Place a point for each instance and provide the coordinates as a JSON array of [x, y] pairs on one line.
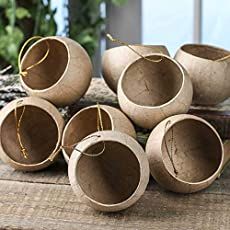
[[223, 58], [57, 149], [18, 123], [112, 39], [24, 72], [170, 153], [99, 118], [73, 146]]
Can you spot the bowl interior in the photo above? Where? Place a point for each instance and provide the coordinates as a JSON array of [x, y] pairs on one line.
[[205, 51], [83, 124], [48, 72], [38, 132], [110, 178], [152, 84], [191, 151]]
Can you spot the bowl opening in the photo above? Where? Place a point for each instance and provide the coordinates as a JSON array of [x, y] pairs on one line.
[[110, 178], [152, 84], [48, 72], [38, 132], [83, 124], [205, 51], [191, 151]]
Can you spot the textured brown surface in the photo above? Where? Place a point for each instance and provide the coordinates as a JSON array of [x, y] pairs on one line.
[[84, 123], [218, 115], [208, 70], [115, 179], [185, 153], [40, 123], [44, 200], [65, 74], [139, 85], [115, 60]]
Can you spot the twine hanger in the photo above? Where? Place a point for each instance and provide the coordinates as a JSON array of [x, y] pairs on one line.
[[173, 142], [223, 58], [23, 73], [57, 149], [18, 121], [73, 146], [18, 126], [115, 40]]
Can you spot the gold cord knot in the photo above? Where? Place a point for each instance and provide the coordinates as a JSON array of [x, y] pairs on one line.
[[24, 72]]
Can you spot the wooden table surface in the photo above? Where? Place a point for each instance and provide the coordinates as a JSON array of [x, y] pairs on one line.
[[45, 200]]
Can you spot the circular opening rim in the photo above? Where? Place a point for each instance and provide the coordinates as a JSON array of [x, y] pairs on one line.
[[25, 85], [221, 149], [182, 76]]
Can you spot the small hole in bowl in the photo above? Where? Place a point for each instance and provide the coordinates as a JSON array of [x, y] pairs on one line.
[[48, 72], [204, 51], [152, 84], [39, 134], [84, 124], [195, 151], [110, 178]]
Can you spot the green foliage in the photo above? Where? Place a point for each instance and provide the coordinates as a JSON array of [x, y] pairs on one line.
[[22, 19], [86, 23], [19, 20], [119, 2]]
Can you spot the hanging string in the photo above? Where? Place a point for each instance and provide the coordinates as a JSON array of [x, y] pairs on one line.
[[223, 58], [24, 72], [57, 149], [18, 126], [18, 122], [99, 118], [73, 146], [109, 36], [170, 153]]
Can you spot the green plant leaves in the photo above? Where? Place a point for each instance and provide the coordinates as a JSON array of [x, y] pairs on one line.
[[20, 20], [3, 3], [119, 2], [19, 13], [86, 23], [9, 44], [22, 13]]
